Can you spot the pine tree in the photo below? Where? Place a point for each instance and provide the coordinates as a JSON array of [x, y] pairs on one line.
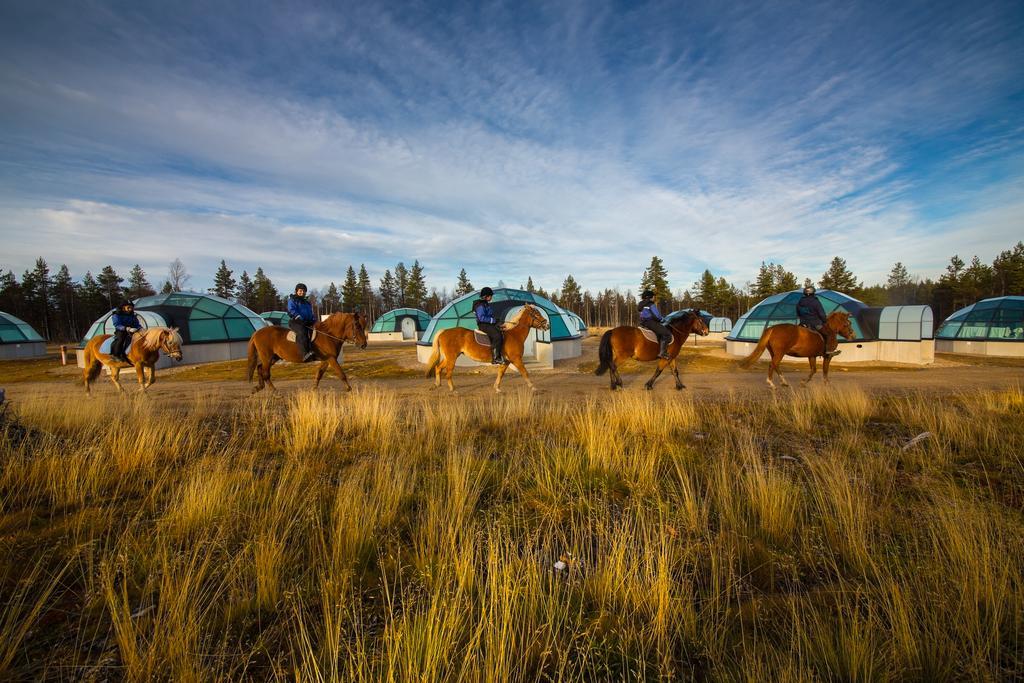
[[401, 284], [265, 293], [571, 297], [656, 279], [463, 286], [416, 287], [705, 291], [388, 291], [764, 283], [350, 290], [35, 287], [529, 285], [65, 304], [110, 284], [838, 277], [223, 282], [138, 286], [898, 285], [1008, 272], [94, 303], [332, 299], [365, 292], [246, 293], [11, 298], [782, 279]]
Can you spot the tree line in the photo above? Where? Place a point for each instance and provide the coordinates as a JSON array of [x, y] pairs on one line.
[[61, 308]]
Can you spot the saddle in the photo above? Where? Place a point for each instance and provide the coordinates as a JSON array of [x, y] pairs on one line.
[[106, 344], [481, 338], [312, 335], [648, 334]]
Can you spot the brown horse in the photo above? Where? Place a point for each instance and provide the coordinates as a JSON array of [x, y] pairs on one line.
[[270, 344], [788, 339], [143, 353], [629, 342], [451, 343]]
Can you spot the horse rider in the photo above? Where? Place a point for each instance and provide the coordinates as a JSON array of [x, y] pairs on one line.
[[126, 323], [300, 312], [651, 318], [812, 316], [488, 324]]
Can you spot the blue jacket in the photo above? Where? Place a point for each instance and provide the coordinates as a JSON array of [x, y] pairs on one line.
[[299, 308], [123, 321], [484, 312], [810, 311], [649, 311]]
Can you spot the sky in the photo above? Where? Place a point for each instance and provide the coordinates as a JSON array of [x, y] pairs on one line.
[[511, 139]]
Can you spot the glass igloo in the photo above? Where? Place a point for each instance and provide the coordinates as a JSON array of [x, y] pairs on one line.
[[16, 331], [998, 319], [781, 308], [459, 313], [200, 318], [392, 320]]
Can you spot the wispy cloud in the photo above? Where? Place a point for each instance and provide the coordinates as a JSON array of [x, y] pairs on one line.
[[510, 141]]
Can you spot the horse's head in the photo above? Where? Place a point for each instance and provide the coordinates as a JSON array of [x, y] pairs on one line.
[[359, 324], [170, 342], [690, 322], [536, 318], [839, 322]]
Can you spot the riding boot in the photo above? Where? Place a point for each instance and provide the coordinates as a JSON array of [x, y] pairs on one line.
[[496, 358], [663, 348]]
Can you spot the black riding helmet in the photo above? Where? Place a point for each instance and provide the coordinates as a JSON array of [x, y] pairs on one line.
[[809, 289], [486, 291], [302, 286], [126, 305], [648, 294]]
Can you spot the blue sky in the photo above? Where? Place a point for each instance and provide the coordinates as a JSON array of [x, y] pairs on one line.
[[511, 139]]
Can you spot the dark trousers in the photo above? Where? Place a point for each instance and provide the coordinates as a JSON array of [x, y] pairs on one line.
[[121, 344], [829, 339], [301, 330], [493, 333], [657, 328]]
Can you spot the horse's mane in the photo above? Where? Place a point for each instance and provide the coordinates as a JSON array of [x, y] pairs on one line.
[[689, 314], [151, 337], [515, 321]]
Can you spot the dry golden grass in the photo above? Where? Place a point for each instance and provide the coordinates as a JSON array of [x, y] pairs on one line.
[[370, 537]]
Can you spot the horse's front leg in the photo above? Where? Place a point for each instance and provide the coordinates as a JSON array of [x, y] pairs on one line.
[[824, 368], [675, 372], [115, 370], [502, 369], [319, 374], [336, 366], [140, 375], [657, 371], [518, 362]]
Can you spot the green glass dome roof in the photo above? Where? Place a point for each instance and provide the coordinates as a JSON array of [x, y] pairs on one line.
[[392, 320], [459, 313], [998, 319], [200, 318], [16, 331], [781, 308], [276, 317]]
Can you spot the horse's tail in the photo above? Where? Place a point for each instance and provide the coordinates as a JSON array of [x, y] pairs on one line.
[[762, 344], [253, 359], [435, 355], [604, 353], [92, 366]]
